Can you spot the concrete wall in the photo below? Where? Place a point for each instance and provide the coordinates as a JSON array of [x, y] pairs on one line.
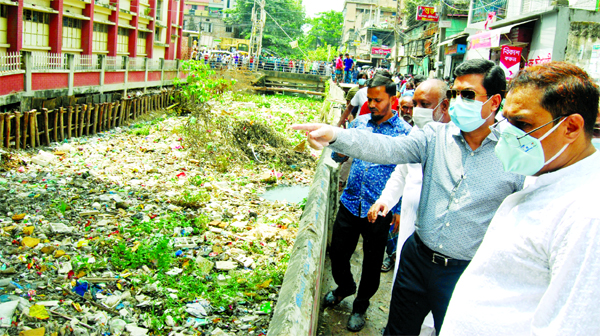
[[297, 309]]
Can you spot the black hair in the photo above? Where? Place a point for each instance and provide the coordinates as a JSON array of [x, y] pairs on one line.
[[494, 79], [380, 79], [566, 89], [418, 79], [362, 75]]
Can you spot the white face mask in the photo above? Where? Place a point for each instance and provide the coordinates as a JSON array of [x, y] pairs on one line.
[[423, 116]]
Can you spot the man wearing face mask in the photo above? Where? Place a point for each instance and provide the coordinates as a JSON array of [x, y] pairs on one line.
[[406, 181], [537, 269], [463, 185]]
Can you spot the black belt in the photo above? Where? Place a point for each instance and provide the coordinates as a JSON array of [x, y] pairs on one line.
[[438, 258]]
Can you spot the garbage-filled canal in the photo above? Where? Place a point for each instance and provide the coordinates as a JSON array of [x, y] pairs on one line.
[[128, 232]]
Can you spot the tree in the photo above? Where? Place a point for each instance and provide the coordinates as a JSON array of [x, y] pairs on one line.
[[289, 14], [325, 29]]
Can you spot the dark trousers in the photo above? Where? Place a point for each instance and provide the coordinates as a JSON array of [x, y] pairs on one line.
[[346, 231], [421, 286]]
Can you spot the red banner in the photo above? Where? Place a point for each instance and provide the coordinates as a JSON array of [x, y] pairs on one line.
[[381, 51], [510, 59], [425, 13]]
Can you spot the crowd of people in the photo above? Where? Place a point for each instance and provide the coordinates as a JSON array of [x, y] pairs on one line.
[[486, 190]]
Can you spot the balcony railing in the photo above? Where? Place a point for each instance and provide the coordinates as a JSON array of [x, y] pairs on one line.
[[136, 63], [10, 61], [86, 62], [114, 63], [49, 61]]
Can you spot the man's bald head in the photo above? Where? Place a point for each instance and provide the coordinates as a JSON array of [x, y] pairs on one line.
[[431, 94], [434, 86], [406, 105]]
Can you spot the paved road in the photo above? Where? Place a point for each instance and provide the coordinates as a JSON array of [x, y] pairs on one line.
[[332, 321]]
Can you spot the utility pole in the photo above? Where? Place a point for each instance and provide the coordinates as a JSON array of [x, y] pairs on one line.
[[259, 16], [397, 31]]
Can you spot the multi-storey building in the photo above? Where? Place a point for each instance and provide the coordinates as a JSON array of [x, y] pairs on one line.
[[50, 48], [369, 29], [207, 16]]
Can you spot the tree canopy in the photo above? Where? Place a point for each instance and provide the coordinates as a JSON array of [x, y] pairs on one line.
[[325, 29], [320, 33], [289, 14]]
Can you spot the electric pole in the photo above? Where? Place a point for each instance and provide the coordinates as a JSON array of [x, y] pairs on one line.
[[397, 31], [259, 16]]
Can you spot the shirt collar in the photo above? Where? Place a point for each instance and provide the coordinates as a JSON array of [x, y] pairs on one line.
[[580, 168]]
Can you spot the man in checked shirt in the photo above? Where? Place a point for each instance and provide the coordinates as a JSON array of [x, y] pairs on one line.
[[464, 183], [365, 183]]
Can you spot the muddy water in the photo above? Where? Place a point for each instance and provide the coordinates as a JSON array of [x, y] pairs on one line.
[[291, 194]]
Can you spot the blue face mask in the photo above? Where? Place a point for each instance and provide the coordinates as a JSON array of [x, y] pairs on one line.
[[362, 81], [596, 143], [467, 114]]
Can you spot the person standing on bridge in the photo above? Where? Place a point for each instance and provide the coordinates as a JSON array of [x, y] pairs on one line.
[[348, 68], [365, 184], [339, 69], [463, 185]]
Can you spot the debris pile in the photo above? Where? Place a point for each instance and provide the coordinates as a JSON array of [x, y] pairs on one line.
[[130, 233]]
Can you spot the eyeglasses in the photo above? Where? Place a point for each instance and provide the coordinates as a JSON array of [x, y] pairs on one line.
[[465, 94], [523, 143]]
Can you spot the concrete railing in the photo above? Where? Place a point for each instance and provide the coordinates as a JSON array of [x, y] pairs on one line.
[[297, 309]]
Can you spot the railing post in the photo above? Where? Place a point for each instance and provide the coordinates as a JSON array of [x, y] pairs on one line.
[[146, 61], [162, 71], [28, 64], [102, 71], [71, 66], [178, 66], [125, 79]]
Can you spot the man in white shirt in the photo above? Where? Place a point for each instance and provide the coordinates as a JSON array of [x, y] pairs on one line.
[[537, 269]]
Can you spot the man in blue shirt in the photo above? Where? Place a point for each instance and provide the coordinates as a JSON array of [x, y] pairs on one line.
[[365, 184], [464, 183], [348, 67]]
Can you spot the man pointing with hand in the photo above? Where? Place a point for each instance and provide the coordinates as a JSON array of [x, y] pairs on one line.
[[463, 185]]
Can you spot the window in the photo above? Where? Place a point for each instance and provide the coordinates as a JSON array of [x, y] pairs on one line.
[[141, 43], [71, 37], [100, 37], [123, 41], [159, 9], [36, 30], [3, 24], [194, 7], [157, 34], [206, 27], [229, 29]]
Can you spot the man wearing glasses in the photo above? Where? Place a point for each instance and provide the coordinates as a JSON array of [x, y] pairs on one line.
[[537, 270], [463, 186]]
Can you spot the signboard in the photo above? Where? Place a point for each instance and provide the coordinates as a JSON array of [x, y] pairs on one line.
[[539, 56], [485, 40], [425, 13], [445, 24], [294, 44], [457, 49], [510, 59], [381, 51]]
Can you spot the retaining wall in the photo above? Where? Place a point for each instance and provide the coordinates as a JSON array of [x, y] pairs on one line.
[[297, 309], [35, 128]]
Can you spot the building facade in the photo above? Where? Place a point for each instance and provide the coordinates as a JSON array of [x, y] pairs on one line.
[[368, 31], [206, 16], [52, 48]]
